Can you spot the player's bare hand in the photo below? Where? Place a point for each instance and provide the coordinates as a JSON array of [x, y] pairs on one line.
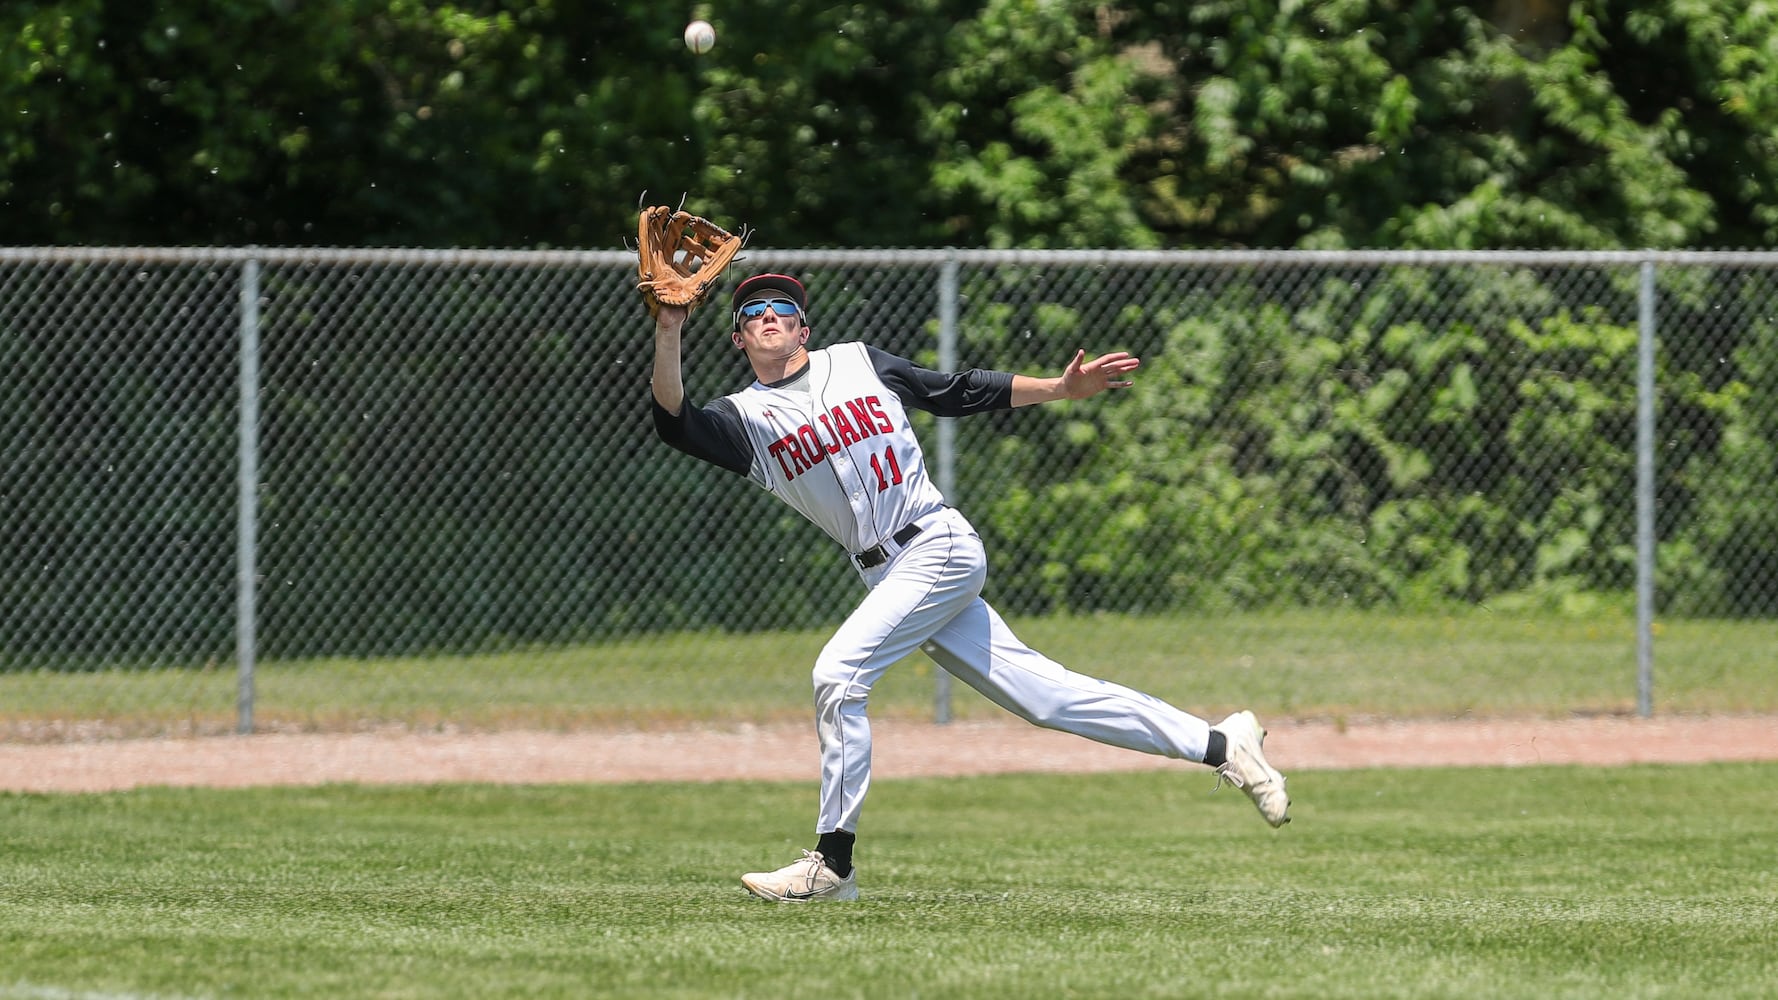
[[1083, 378]]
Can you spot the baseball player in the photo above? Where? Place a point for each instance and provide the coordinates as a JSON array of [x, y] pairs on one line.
[[827, 432]]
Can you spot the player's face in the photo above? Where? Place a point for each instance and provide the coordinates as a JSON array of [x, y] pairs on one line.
[[770, 324], [758, 308]]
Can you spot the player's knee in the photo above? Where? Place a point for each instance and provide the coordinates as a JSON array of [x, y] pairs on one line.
[[836, 682], [1045, 713]]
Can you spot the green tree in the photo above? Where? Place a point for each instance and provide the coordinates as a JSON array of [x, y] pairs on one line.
[[359, 122], [1353, 124]]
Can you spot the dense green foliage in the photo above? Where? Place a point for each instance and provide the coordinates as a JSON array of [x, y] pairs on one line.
[[1594, 123], [359, 122], [1524, 882], [459, 460], [1380, 439], [1402, 437]]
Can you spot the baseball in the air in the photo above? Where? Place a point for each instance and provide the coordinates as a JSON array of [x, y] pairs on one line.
[[700, 37]]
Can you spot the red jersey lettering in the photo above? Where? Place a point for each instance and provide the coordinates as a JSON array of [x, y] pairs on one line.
[[863, 420], [813, 450], [848, 434], [834, 444], [779, 450], [875, 406]]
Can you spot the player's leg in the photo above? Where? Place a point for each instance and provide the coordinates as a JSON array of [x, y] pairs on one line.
[[919, 592], [981, 650], [924, 586], [978, 648]]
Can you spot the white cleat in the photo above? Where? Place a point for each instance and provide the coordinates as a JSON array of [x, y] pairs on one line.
[[1247, 769], [805, 881]]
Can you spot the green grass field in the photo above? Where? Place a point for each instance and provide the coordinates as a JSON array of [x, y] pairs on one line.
[[1287, 664], [1538, 882]]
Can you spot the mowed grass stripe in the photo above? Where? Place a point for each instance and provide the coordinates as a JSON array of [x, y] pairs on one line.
[[1304, 664], [1637, 881]]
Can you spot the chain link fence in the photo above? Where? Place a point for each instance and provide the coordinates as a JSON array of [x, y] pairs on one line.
[[356, 488]]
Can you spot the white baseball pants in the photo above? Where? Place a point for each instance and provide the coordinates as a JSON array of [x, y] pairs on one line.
[[928, 596]]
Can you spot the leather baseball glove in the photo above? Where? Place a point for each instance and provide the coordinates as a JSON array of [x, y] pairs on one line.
[[680, 257]]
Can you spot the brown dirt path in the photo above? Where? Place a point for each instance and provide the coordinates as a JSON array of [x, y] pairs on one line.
[[902, 749]]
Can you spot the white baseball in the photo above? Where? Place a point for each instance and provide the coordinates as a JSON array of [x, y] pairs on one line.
[[700, 37]]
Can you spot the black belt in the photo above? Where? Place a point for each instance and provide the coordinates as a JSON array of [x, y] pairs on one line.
[[876, 555]]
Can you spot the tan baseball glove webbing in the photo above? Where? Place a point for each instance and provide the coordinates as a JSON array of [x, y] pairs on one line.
[[680, 257]]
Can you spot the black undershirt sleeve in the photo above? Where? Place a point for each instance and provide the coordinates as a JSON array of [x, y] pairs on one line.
[[709, 433], [954, 394], [715, 434]]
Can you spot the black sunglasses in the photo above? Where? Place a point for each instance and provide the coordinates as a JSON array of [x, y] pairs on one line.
[[756, 309]]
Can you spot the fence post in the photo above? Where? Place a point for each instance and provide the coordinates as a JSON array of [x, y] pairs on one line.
[[946, 473], [1645, 492], [247, 500]]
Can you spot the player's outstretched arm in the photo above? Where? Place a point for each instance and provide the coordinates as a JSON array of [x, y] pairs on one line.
[[668, 383], [1080, 379]]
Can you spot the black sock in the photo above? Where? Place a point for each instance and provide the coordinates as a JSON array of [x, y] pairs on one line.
[[1216, 750], [836, 850]]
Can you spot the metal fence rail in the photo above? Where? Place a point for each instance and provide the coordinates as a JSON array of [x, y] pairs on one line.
[[218, 458]]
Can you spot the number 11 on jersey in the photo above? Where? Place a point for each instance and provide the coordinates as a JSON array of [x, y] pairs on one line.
[[891, 477]]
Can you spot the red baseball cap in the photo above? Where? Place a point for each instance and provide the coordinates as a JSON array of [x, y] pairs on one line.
[[759, 284]]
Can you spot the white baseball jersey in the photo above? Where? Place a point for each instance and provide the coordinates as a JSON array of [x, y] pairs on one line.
[[834, 440]]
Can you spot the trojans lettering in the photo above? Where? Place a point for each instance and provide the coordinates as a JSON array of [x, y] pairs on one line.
[[841, 427]]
